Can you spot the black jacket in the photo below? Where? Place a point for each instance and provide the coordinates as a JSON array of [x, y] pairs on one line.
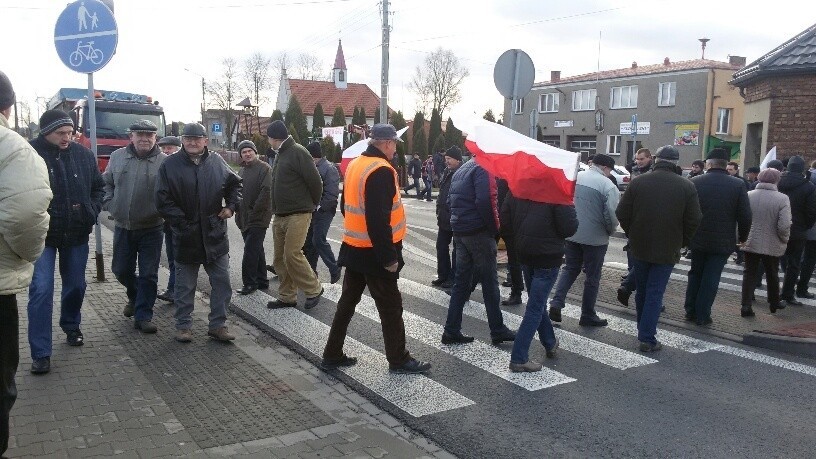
[[78, 191], [379, 198], [442, 210], [190, 197], [473, 201], [415, 167], [539, 230], [802, 195], [724, 203]]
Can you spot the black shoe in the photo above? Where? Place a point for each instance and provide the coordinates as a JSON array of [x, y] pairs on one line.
[[792, 302], [411, 366], [691, 317], [166, 295], [776, 307], [246, 290], [145, 326], [592, 321], [447, 284], [555, 314], [512, 300], [336, 276], [129, 308], [41, 366], [438, 282], [507, 283], [704, 322], [271, 269], [75, 338], [649, 347], [313, 301], [263, 286], [747, 311], [333, 364], [278, 304], [456, 339], [807, 295], [507, 335], [623, 296]]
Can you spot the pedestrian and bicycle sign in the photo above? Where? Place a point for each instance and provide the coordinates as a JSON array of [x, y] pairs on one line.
[[86, 36]]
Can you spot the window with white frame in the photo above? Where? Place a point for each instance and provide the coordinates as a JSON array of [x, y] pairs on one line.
[[518, 106], [583, 99], [723, 120], [548, 103], [665, 94], [623, 97], [613, 145]]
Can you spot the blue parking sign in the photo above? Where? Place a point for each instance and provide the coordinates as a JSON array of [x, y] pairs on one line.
[[216, 128], [86, 36]]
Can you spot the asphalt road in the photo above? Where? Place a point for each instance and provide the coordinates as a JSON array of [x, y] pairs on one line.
[[699, 396]]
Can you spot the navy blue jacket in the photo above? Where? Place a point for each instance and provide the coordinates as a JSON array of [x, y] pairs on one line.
[[726, 212], [473, 201], [539, 230], [802, 195], [78, 191]]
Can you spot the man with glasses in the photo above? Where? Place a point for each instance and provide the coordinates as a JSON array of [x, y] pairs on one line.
[[130, 182], [191, 187], [78, 190]]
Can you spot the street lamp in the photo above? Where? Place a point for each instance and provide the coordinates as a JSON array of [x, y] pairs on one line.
[[203, 100]]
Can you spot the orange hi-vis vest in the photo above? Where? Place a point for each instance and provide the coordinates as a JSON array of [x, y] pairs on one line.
[[356, 232]]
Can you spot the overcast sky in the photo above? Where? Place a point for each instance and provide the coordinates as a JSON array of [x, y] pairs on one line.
[[158, 39]]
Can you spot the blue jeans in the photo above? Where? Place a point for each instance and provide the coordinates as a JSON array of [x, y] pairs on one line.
[[427, 190], [316, 244], [541, 281], [703, 283], [628, 283], [142, 247], [578, 256], [72, 262], [475, 261], [170, 250], [651, 279], [444, 267]]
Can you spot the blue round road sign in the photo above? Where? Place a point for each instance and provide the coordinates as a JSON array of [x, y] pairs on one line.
[[86, 36]]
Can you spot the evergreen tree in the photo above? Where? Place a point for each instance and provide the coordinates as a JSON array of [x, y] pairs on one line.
[[398, 122], [377, 116], [435, 129], [418, 125], [355, 117], [276, 115], [327, 145], [453, 136], [293, 132], [420, 146], [489, 115], [339, 118], [296, 121], [363, 118], [439, 144], [261, 141], [318, 118]]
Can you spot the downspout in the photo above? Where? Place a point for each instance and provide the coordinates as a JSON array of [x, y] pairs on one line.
[[709, 111]]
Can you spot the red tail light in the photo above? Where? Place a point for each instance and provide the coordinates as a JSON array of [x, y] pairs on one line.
[[625, 179]]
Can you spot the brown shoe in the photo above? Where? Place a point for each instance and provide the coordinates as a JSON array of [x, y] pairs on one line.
[[184, 336], [220, 334]]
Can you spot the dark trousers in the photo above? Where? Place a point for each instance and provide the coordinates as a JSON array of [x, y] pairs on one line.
[[703, 282], [316, 244], [577, 257], [793, 264], [253, 265], [170, 250], [9, 359], [427, 190], [628, 282], [142, 248], [445, 264], [514, 267], [388, 299], [413, 185], [808, 266], [753, 261]]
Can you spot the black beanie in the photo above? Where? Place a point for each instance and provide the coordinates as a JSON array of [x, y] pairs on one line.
[[6, 92], [277, 130], [315, 150], [454, 152], [52, 120]]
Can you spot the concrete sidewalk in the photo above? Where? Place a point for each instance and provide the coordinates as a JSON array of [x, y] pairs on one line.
[[134, 395]]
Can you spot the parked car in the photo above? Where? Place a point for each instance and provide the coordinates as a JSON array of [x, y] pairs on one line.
[[621, 175]]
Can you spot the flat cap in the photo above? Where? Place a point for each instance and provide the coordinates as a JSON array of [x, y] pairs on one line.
[[667, 152], [384, 131], [719, 153], [194, 130], [169, 140], [143, 126]]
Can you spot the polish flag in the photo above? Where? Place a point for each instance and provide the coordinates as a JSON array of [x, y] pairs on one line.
[[357, 149], [533, 170]]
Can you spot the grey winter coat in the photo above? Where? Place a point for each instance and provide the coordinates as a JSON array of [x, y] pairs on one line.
[[130, 188], [596, 199], [255, 210], [771, 223]]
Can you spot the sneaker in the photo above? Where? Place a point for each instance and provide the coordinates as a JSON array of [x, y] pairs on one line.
[[145, 326], [592, 321], [336, 276], [313, 301], [649, 347], [507, 335], [220, 334], [551, 351], [278, 304], [526, 367], [75, 338], [130, 307], [184, 336], [411, 366], [166, 295], [456, 339], [555, 314], [512, 300], [333, 364], [41, 366]]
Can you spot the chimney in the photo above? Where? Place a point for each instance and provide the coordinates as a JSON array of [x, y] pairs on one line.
[[634, 64], [666, 61], [737, 60], [555, 75]]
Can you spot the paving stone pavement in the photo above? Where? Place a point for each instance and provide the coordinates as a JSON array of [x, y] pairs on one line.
[[132, 395]]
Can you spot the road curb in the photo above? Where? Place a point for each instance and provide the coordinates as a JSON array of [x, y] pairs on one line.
[[805, 347]]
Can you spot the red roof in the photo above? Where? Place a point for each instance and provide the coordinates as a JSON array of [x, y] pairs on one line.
[[694, 64], [309, 93], [340, 60]]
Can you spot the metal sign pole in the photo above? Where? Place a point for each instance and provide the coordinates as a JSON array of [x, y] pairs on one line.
[[100, 263]]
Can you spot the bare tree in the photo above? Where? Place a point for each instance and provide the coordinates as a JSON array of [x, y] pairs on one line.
[[281, 61], [257, 80], [223, 93], [437, 81], [310, 67]]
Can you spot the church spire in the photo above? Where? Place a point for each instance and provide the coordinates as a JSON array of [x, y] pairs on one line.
[[340, 73]]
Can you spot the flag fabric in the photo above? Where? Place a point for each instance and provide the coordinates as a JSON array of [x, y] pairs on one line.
[[533, 170], [770, 156], [357, 149]]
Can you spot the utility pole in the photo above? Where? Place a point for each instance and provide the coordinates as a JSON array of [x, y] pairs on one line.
[[386, 30]]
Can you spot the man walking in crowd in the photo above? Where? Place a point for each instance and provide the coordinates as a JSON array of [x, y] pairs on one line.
[[130, 197], [296, 192], [371, 252], [643, 164], [697, 168], [316, 244], [427, 179], [475, 224], [809, 253], [726, 213], [541, 229], [515, 279], [802, 195], [596, 200], [732, 168], [751, 176], [191, 189], [439, 165], [444, 268], [659, 213], [415, 171], [25, 194], [78, 190], [169, 145], [253, 217]]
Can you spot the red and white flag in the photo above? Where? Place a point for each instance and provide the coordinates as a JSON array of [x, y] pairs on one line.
[[357, 149], [533, 170]]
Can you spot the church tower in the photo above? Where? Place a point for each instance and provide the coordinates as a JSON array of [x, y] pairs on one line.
[[340, 73]]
